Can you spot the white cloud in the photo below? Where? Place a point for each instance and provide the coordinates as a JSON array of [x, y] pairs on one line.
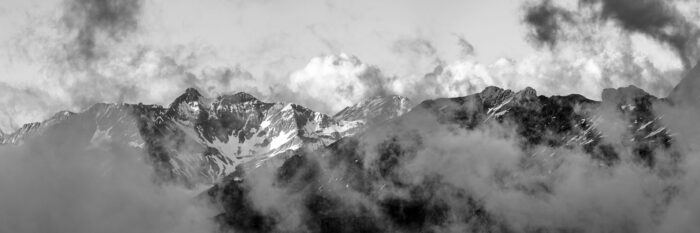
[[158, 61], [335, 82]]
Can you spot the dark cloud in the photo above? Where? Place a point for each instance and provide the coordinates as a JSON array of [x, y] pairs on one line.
[[98, 23], [657, 19], [546, 21]]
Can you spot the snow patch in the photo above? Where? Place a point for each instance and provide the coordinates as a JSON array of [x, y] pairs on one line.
[[281, 139]]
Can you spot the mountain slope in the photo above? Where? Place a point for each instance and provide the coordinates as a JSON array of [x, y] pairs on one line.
[[28, 130], [377, 166], [375, 110], [198, 139], [379, 181], [234, 129]]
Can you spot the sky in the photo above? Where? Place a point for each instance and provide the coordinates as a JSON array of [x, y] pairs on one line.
[[69, 54], [323, 54]]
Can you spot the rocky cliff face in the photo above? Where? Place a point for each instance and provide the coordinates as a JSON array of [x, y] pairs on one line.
[[363, 170], [368, 182], [375, 110], [199, 140], [223, 132]]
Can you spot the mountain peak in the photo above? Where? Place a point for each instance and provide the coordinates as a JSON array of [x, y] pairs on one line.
[[622, 95], [526, 94], [382, 98], [191, 95], [238, 97], [494, 91], [62, 114], [375, 109], [192, 92], [186, 106], [493, 95]]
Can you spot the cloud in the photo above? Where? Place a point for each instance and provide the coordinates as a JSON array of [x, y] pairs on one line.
[[547, 195], [609, 60], [546, 21], [21, 105], [95, 25], [657, 19], [330, 83], [128, 68], [467, 49], [485, 178], [60, 183], [415, 56]]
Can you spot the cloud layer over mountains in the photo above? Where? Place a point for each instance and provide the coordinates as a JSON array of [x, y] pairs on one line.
[[484, 176], [59, 183], [98, 51]]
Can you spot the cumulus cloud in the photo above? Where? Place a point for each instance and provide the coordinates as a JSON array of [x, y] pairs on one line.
[[123, 68], [609, 60], [331, 83]]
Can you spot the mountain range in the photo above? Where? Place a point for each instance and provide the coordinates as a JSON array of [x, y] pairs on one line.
[[348, 172], [200, 140], [372, 164]]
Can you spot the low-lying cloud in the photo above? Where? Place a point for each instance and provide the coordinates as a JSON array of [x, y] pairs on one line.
[[460, 180], [60, 182]]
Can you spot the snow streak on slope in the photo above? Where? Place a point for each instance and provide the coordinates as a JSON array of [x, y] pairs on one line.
[[199, 139], [495, 161]]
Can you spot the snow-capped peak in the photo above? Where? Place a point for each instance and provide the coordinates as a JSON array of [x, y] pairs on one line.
[[375, 109]]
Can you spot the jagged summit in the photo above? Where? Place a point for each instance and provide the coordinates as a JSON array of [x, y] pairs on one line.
[[622, 95], [191, 95], [527, 94], [497, 94], [375, 109], [493, 91], [202, 139], [63, 114], [544, 128], [187, 105], [193, 92], [239, 97]]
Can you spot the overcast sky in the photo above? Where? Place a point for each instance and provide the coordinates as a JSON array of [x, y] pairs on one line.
[[301, 51]]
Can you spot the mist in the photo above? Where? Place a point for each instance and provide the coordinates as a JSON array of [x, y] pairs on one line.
[[61, 182], [108, 45], [485, 179], [415, 173]]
